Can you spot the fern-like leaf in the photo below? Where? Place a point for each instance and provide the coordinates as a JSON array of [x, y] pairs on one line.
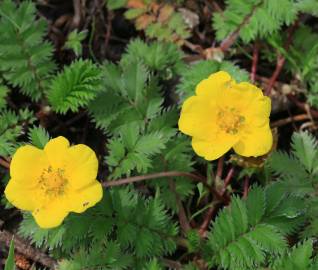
[[75, 86], [25, 58]]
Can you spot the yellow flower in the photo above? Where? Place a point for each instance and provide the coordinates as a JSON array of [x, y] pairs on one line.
[[55, 181], [225, 114]]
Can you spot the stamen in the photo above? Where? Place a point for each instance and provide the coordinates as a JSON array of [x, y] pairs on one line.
[[230, 120], [52, 182]]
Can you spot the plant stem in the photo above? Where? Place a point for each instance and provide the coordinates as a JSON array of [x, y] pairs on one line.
[[228, 179], [255, 61], [123, 181], [4, 163], [281, 59]]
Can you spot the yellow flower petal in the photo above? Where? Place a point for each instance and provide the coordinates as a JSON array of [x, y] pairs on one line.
[[255, 143], [213, 86], [27, 164], [198, 117], [52, 215], [56, 150], [259, 111], [81, 166], [20, 196], [211, 150], [86, 197]]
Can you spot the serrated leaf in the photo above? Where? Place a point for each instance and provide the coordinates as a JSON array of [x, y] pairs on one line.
[[39, 137]]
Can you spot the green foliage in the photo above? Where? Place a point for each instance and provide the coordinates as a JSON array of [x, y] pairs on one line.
[[115, 4], [307, 6], [141, 226], [298, 171], [298, 177], [164, 58], [153, 265], [173, 30], [25, 58], [246, 232], [74, 41], [38, 137], [132, 103], [12, 126], [298, 258], [3, 94], [253, 19], [75, 87], [301, 57], [10, 263], [131, 150], [202, 70]]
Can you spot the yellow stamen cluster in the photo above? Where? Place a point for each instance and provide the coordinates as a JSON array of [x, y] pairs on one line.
[[230, 120], [53, 182]]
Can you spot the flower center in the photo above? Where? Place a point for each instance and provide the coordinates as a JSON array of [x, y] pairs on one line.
[[230, 120], [53, 182]]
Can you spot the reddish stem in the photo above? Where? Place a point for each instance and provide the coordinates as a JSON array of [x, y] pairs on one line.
[[281, 59], [219, 169], [255, 61], [279, 65], [302, 105], [184, 223], [246, 186], [227, 180], [231, 38], [4, 163], [207, 220]]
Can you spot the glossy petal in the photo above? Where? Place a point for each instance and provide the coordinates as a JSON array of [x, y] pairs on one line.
[[27, 164], [198, 117], [213, 86], [52, 215], [81, 166], [86, 197], [211, 150], [56, 150], [20, 196], [257, 142]]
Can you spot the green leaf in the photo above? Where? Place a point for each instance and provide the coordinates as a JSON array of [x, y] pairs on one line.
[[25, 57], [305, 149], [135, 77], [75, 87], [10, 264], [255, 204], [74, 41], [134, 13], [3, 95], [115, 4], [39, 137]]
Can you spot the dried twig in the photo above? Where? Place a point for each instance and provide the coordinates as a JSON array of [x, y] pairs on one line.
[[285, 121], [110, 17], [172, 264], [302, 105], [77, 14], [123, 181], [28, 251]]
